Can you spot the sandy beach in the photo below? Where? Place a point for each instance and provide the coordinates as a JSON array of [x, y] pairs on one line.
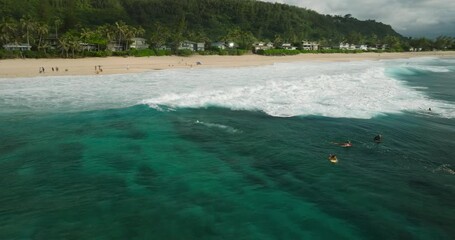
[[15, 68]]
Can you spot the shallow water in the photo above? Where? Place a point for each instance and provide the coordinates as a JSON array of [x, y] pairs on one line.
[[231, 153]]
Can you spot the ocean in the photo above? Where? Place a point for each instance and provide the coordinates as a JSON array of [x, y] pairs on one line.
[[232, 153]]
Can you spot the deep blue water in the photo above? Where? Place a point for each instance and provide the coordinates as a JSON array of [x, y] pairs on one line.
[[214, 172]]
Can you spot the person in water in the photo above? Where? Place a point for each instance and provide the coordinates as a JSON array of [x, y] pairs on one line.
[[378, 138], [344, 144]]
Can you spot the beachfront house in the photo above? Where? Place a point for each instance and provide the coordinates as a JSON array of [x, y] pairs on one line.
[[372, 48], [382, 46], [310, 46], [200, 46], [138, 43], [192, 46], [218, 45], [52, 41], [223, 45], [115, 47], [345, 46], [164, 48], [288, 46], [88, 47], [17, 47], [412, 49], [262, 46], [361, 47]]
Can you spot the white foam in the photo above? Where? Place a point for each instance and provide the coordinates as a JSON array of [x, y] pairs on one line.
[[228, 129], [445, 168], [438, 69], [363, 93], [349, 90]]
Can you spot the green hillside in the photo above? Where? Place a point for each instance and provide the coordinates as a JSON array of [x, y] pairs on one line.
[[208, 20]]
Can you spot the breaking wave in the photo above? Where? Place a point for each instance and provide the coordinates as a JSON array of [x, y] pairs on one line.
[[348, 90]]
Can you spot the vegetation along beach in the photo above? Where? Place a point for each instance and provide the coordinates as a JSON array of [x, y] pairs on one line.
[[210, 119]]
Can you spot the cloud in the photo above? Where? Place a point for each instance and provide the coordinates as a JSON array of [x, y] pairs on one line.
[[409, 17]]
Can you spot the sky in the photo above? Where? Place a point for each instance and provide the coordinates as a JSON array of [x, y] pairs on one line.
[[410, 18]]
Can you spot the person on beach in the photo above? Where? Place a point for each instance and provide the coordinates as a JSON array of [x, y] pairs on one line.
[[56, 69], [378, 138]]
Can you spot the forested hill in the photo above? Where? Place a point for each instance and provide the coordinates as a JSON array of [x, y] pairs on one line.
[[209, 19]]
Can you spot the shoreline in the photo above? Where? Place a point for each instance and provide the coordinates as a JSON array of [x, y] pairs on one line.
[[19, 68]]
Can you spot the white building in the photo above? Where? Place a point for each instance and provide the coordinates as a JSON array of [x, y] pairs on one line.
[[361, 47], [219, 45], [262, 46], [310, 46], [343, 46], [17, 47], [88, 47], [288, 46], [115, 47], [192, 46], [138, 43]]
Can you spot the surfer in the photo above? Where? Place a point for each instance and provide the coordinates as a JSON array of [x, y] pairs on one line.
[[378, 138], [333, 158], [344, 144]]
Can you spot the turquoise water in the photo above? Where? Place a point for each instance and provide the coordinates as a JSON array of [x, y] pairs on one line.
[[164, 168]]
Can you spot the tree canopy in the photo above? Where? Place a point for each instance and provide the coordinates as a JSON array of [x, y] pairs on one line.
[[206, 19]]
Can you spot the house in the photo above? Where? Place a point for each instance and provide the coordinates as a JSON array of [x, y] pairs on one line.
[[361, 47], [138, 43], [200, 46], [115, 47], [345, 46], [310, 46], [52, 41], [192, 46], [288, 46], [262, 46], [412, 49], [223, 45], [381, 46], [218, 45], [88, 47], [17, 47], [164, 47]]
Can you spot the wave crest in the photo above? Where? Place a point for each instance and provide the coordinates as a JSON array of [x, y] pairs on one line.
[[355, 95]]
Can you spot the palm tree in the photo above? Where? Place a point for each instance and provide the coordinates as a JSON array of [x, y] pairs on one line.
[[107, 33], [74, 44], [57, 23], [42, 30], [64, 44], [120, 29], [131, 32], [28, 25], [159, 35]]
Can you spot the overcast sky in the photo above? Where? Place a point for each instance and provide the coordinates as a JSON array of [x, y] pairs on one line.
[[415, 18]]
